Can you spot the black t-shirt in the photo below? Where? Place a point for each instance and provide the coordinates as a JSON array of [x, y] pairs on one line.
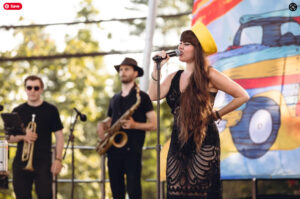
[[47, 121], [119, 105]]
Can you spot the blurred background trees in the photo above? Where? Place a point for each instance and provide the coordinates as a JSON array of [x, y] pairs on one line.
[[84, 83], [87, 84]]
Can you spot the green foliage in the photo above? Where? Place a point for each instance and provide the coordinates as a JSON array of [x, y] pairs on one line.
[[76, 82], [244, 189], [87, 11], [7, 193], [80, 83]]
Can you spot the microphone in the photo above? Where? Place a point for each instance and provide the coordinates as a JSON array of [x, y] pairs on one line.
[[1, 107], [173, 53], [81, 115]]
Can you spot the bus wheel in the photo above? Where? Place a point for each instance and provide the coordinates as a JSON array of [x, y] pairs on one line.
[[256, 132]]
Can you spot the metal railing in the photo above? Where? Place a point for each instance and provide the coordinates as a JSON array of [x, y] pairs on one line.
[[102, 178]]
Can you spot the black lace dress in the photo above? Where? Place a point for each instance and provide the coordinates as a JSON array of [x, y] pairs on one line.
[[192, 175]]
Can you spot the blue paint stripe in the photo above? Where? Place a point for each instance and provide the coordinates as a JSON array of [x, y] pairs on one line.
[[240, 58]]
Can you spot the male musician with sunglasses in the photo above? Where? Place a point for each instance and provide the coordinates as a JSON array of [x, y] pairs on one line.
[[127, 160], [47, 120]]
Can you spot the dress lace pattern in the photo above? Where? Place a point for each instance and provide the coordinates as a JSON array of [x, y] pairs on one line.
[[191, 174]]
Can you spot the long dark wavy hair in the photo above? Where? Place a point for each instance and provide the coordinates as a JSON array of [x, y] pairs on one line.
[[195, 105]]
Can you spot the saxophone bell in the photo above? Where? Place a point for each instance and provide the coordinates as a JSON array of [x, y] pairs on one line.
[[119, 139]]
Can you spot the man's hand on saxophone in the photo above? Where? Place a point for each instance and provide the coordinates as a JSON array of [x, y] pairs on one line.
[[128, 123], [150, 125], [102, 127]]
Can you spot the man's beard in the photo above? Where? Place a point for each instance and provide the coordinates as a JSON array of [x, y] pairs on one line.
[[127, 80]]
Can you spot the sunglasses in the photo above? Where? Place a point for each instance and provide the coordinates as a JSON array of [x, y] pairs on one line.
[[36, 88]]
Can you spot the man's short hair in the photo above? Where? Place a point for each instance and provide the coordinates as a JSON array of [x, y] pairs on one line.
[[33, 78]]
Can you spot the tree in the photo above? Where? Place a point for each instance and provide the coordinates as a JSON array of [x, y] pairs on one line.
[[82, 83], [77, 82]]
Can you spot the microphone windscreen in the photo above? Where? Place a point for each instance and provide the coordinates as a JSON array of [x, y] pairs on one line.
[[174, 53], [83, 117]]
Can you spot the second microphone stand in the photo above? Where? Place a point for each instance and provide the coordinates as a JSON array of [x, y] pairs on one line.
[[71, 139], [158, 60]]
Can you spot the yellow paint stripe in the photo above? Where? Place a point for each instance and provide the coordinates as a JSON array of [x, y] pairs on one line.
[[268, 68]]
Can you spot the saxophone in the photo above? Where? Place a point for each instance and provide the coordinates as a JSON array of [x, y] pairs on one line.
[[111, 133]]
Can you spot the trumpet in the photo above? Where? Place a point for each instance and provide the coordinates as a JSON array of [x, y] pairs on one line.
[[110, 134], [27, 153]]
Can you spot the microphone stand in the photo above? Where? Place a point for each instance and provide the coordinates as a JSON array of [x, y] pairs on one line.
[[71, 139], [158, 60]]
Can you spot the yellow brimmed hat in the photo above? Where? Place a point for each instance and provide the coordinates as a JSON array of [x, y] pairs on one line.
[[205, 38]]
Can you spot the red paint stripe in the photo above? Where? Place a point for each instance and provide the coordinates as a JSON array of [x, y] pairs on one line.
[[214, 10], [195, 5], [268, 81], [297, 19]]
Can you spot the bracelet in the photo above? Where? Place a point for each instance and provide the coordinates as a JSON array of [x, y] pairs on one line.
[[59, 159], [218, 115], [153, 77]]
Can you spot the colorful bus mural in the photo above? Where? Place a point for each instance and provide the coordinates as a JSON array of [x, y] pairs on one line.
[[261, 139]]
